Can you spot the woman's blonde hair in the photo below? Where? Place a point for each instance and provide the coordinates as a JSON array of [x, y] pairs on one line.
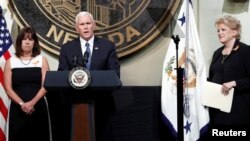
[[232, 22]]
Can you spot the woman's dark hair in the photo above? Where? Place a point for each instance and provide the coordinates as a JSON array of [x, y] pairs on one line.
[[24, 31]]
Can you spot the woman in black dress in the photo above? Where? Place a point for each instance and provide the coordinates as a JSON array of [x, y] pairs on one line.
[[230, 67], [24, 74]]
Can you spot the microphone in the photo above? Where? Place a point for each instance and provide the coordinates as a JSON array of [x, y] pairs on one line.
[[176, 39], [85, 58], [75, 59]]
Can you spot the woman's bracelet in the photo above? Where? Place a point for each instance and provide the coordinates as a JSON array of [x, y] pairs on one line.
[[21, 103]]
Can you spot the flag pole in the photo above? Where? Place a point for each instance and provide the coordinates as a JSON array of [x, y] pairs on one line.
[[180, 133]]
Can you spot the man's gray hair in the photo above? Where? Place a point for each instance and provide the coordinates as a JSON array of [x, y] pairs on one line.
[[83, 13]]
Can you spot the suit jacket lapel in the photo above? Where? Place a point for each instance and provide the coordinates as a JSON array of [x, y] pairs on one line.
[[94, 53], [78, 50]]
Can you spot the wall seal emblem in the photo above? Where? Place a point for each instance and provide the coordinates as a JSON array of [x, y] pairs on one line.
[[130, 24]]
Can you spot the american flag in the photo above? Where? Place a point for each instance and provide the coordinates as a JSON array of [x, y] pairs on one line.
[[5, 45]]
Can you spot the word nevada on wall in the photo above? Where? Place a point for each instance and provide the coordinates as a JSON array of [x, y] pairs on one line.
[[130, 24]]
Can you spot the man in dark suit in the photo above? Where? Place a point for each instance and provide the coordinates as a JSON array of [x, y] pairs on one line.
[[102, 56], [103, 52]]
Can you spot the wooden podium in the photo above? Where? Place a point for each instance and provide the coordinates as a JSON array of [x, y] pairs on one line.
[[83, 118]]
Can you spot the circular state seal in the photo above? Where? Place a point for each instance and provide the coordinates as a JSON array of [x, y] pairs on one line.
[[130, 24], [79, 78]]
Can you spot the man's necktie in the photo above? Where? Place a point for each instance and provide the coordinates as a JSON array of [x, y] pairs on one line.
[[89, 55]]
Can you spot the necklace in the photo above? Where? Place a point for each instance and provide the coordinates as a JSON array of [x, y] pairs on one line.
[[226, 51], [24, 62], [224, 57]]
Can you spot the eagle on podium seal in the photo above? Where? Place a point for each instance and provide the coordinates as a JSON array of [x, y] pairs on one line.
[[79, 77]]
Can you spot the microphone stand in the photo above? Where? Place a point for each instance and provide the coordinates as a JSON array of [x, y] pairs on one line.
[[180, 109], [85, 59], [75, 61], [82, 63]]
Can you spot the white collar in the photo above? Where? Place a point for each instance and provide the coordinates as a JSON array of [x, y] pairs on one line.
[[90, 41]]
